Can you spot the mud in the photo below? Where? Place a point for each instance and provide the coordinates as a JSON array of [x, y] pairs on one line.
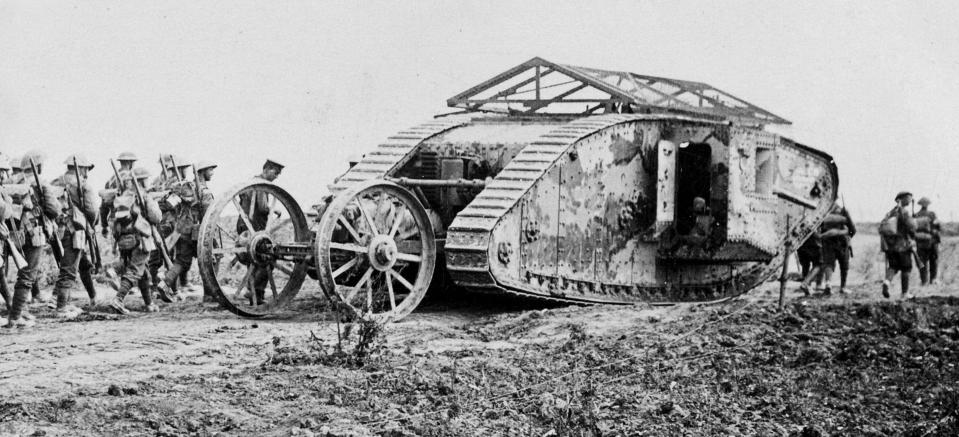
[[840, 365]]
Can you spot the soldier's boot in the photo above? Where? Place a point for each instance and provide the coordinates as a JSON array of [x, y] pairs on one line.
[[885, 288], [147, 293], [16, 319], [117, 303], [165, 292], [827, 290], [905, 286], [88, 285], [65, 310]]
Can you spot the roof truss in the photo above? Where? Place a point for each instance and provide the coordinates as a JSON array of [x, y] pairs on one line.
[[538, 86]]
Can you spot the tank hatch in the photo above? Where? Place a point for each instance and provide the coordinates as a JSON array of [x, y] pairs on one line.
[[539, 86]]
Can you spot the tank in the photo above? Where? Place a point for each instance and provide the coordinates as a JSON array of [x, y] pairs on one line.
[[549, 181]]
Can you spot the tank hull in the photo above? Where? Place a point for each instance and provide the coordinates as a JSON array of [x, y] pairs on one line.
[[591, 209]]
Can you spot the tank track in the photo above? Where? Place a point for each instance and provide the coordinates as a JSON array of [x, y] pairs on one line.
[[395, 152], [467, 243]]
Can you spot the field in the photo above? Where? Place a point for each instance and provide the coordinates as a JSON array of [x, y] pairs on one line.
[[842, 365]]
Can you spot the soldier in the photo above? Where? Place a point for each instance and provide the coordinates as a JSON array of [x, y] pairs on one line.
[[195, 197], [132, 232], [80, 214], [898, 230], [928, 229], [162, 187], [836, 231], [809, 255], [17, 176], [126, 160], [261, 213], [6, 245], [40, 205]]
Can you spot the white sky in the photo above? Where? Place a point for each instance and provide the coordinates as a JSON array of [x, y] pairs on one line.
[[309, 83]]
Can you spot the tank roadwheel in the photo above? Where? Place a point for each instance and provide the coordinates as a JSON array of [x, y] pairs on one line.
[[376, 251], [244, 245]]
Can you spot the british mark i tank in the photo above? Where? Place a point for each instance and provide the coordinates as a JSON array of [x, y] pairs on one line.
[[550, 181]]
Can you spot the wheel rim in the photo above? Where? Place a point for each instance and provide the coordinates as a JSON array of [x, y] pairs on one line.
[[376, 251], [254, 234]]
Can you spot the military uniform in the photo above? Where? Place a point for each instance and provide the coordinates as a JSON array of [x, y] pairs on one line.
[[260, 275], [188, 214], [928, 230], [133, 233], [6, 213], [836, 232], [810, 261], [163, 187], [126, 159], [81, 213], [33, 239], [898, 245], [17, 176]]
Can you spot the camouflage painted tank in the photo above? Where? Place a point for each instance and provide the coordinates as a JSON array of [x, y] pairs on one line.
[[553, 182]]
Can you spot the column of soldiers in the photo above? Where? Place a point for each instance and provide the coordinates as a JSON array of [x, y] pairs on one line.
[[905, 237], [61, 216]]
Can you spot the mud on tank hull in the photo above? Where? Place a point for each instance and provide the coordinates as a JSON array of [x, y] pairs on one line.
[[594, 209]]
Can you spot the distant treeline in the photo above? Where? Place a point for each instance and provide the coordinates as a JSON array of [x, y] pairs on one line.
[[949, 229]]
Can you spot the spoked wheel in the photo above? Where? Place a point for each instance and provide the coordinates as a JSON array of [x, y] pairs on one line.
[[255, 248], [375, 251]]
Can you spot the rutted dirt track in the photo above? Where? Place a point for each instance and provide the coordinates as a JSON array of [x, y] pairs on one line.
[[843, 365]]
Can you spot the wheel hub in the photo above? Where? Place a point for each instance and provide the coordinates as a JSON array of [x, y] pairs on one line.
[[382, 252], [261, 248]]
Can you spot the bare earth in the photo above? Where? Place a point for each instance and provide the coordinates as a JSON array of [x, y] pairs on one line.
[[840, 365]]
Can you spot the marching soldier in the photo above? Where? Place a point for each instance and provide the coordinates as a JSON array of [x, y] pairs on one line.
[[6, 234], [836, 231], [40, 207], [261, 212], [17, 177], [162, 186], [16, 170], [927, 242], [810, 261], [898, 230], [133, 234], [195, 197], [126, 160], [80, 215]]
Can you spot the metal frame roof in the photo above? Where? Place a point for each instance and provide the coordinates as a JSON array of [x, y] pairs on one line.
[[538, 86]]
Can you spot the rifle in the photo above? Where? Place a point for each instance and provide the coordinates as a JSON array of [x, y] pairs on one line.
[[14, 244], [88, 230], [141, 202], [174, 236], [48, 231]]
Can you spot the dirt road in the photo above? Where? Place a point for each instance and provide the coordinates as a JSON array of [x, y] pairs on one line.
[[471, 367]]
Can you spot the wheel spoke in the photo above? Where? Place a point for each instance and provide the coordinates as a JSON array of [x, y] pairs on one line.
[[269, 215], [358, 286], [253, 197], [409, 257], [399, 278], [346, 224], [349, 247], [389, 288], [244, 282], [369, 296], [228, 233], [273, 286], [366, 216], [397, 220], [246, 219], [284, 269], [349, 264]]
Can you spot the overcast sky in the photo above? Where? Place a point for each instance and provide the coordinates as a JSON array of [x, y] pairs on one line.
[[309, 83]]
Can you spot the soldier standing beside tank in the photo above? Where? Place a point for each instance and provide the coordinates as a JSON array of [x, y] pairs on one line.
[[39, 209], [836, 232], [810, 261], [195, 197], [261, 213], [80, 215], [928, 231], [898, 230], [133, 234]]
